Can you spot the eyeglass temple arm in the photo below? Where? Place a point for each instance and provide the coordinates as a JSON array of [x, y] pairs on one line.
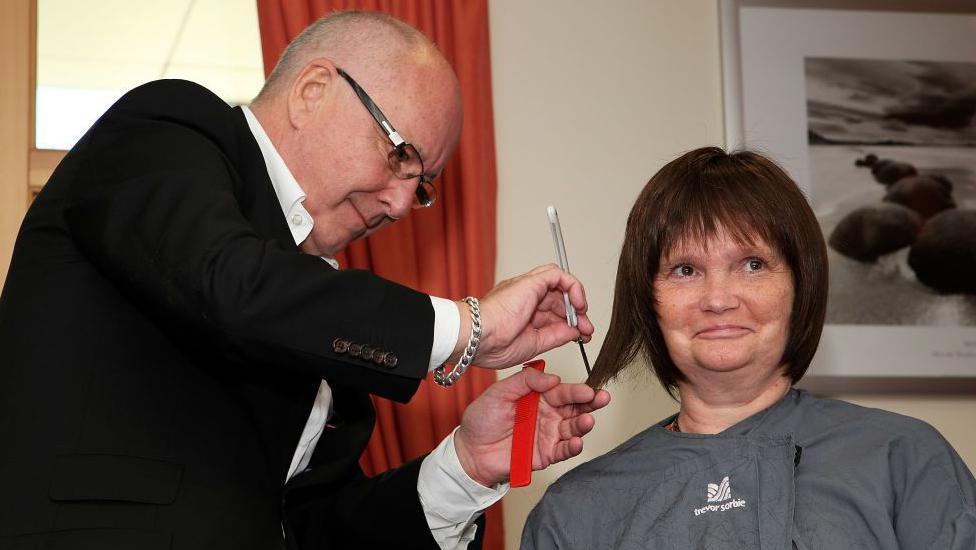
[[374, 110]]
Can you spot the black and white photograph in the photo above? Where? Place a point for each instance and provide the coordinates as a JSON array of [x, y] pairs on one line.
[[892, 155]]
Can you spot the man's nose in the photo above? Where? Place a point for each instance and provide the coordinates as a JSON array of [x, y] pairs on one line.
[[399, 197]]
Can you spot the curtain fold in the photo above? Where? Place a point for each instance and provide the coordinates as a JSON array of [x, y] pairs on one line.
[[447, 250]]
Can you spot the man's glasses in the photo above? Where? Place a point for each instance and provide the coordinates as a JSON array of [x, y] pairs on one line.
[[404, 159]]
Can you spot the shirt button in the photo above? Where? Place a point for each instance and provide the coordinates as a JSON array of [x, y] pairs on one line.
[[297, 219]]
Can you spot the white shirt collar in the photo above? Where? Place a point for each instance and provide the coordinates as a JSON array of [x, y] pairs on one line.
[[289, 193]]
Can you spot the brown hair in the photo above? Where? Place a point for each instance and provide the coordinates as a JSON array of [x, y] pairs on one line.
[[688, 200]]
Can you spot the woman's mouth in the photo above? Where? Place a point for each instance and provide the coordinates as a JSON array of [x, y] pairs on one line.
[[718, 332]]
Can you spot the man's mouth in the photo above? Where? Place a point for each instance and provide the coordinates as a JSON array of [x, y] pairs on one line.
[[362, 219]]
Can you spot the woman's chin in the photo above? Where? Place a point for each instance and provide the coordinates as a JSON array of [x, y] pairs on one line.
[[723, 367], [741, 369], [724, 363]]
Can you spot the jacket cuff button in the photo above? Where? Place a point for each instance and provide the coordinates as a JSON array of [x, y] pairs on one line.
[[355, 349], [367, 354], [390, 360], [379, 356], [340, 346]]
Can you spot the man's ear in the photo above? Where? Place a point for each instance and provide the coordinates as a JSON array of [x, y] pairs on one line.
[[311, 91]]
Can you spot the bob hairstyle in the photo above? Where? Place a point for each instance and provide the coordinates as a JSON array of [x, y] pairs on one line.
[[688, 201]]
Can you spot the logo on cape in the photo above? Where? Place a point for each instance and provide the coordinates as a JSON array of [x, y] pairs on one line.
[[720, 493]]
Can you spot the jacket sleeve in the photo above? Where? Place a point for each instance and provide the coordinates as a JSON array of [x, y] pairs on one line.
[[934, 493], [154, 206]]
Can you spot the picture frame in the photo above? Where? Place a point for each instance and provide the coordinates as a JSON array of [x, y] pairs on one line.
[[764, 47]]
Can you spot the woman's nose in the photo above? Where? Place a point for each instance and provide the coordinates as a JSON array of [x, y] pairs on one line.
[[719, 294]]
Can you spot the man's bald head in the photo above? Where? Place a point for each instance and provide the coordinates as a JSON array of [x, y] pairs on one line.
[[327, 137], [357, 40]]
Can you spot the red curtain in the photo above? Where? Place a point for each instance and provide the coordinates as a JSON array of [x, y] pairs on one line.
[[447, 250]]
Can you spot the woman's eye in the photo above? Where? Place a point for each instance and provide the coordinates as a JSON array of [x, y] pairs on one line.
[[754, 264], [683, 270]]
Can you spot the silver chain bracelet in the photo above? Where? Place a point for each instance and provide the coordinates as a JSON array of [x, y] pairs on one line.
[[462, 365]]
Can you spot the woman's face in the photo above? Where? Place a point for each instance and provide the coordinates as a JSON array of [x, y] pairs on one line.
[[724, 307]]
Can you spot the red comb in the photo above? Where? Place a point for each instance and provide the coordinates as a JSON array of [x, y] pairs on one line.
[[523, 436]]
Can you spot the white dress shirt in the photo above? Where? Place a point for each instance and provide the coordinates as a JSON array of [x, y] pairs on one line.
[[452, 501]]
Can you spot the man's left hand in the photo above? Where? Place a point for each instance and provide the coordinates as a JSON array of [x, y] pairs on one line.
[[484, 440]]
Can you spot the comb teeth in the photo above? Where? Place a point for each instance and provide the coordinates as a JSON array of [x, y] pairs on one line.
[[523, 434], [525, 412]]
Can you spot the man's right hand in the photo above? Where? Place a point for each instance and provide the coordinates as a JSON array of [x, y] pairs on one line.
[[524, 316]]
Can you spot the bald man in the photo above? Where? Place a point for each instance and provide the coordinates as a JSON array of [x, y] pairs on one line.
[[185, 367]]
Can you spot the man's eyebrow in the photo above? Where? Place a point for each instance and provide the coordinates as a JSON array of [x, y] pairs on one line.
[[420, 151]]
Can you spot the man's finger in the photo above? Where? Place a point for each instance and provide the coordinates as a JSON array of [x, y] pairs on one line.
[[600, 400], [553, 302], [538, 381], [565, 450], [577, 426], [554, 335], [520, 384], [577, 296], [571, 285], [569, 394], [584, 326]]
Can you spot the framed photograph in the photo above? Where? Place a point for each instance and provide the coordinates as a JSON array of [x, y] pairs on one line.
[[871, 107]]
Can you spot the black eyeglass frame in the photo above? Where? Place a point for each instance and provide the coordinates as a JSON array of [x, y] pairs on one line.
[[426, 193]]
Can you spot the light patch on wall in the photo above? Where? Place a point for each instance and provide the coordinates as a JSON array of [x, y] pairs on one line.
[[90, 53]]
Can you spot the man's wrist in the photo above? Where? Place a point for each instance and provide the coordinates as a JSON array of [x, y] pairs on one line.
[[444, 378], [447, 326], [467, 460], [448, 492]]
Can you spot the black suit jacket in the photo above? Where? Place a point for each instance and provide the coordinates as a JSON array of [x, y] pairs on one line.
[[162, 342]]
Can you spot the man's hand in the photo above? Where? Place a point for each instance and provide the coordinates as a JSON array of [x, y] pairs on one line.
[[484, 440], [525, 316]]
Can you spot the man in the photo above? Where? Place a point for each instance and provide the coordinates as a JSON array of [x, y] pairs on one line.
[[178, 375]]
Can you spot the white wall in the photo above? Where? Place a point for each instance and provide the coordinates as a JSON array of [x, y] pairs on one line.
[[591, 98]]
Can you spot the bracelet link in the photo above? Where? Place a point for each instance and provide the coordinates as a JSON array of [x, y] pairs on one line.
[[447, 380]]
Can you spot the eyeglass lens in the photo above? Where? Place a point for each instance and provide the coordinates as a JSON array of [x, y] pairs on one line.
[[406, 163]]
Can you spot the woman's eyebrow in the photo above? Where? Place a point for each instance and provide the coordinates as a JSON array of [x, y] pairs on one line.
[[683, 256], [691, 255]]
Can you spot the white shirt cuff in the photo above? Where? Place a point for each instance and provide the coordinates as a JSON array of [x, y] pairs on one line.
[[452, 501], [447, 325]]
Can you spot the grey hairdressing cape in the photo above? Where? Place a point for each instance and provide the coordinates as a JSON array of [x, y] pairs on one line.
[[806, 473]]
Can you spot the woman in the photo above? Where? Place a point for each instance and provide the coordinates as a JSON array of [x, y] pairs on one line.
[[722, 288]]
